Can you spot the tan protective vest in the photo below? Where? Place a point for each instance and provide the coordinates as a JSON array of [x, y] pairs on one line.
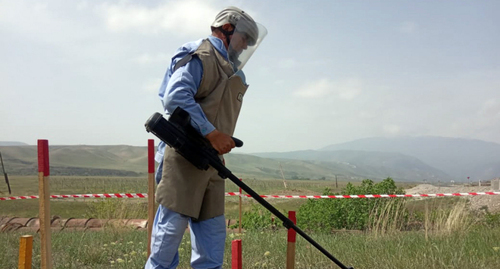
[[184, 188]]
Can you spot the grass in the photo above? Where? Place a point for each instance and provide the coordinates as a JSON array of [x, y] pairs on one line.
[[28, 185], [447, 235], [79, 208], [475, 248]]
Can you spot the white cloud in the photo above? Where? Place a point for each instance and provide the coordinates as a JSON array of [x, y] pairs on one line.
[[82, 5], [391, 129], [487, 117], [189, 17], [280, 82], [347, 89], [318, 89], [21, 17], [490, 109], [288, 63], [84, 50], [363, 114], [53, 21], [63, 25], [147, 58], [152, 85], [408, 27]]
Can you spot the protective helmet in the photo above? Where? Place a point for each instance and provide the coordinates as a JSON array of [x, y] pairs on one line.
[[240, 20], [253, 31]]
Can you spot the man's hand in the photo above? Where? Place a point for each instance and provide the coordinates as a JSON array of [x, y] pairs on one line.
[[221, 142]]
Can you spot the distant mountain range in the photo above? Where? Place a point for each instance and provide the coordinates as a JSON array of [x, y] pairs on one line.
[[79, 160], [430, 158], [405, 159], [366, 164], [458, 157], [12, 143]]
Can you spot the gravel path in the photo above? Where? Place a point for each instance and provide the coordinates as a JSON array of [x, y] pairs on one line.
[[477, 202]]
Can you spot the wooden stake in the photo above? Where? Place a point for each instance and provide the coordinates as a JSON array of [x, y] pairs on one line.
[[151, 190], [240, 211], [283, 176], [44, 203], [25, 252], [292, 236], [426, 221]]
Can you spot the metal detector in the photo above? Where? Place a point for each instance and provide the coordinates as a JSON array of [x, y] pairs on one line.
[[178, 133]]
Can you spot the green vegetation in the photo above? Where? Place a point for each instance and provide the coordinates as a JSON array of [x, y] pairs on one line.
[[88, 207], [379, 216], [112, 248], [352, 214], [391, 233]]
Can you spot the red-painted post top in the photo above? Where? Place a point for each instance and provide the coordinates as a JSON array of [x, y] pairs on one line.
[[43, 157], [236, 254], [292, 234], [151, 156]]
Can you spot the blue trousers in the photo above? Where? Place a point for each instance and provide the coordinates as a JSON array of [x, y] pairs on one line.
[[207, 241]]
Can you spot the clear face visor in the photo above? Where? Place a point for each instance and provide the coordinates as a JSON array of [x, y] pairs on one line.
[[244, 41]]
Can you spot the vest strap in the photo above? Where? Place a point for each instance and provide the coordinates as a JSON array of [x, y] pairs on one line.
[[183, 61]]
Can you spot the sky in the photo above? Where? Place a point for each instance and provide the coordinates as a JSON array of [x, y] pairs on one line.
[[87, 72]]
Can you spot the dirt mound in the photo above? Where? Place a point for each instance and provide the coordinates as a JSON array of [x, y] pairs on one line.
[[492, 202]]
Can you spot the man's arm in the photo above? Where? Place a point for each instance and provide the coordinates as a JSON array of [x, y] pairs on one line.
[[180, 92]]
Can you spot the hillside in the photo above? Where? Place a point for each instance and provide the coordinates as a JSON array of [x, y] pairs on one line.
[[12, 143], [458, 157], [124, 160], [78, 160], [404, 159], [373, 165]]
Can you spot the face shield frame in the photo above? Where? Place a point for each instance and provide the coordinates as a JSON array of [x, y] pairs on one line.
[[244, 41]]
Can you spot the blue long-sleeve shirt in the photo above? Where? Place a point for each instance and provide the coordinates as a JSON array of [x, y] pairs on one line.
[[180, 86]]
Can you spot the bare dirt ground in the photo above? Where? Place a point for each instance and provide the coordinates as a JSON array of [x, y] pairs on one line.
[[476, 202]]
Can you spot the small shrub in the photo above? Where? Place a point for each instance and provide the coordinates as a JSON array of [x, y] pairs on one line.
[[491, 220], [328, 214], [257, 218], [116, 209]]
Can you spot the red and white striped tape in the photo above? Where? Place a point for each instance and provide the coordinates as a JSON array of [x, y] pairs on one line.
[[377, 195], [62, 196], [101, 195], [145, 195]]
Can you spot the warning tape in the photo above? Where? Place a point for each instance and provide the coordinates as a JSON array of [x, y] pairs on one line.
[[145, 195], [101, 195], [377, 195]]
